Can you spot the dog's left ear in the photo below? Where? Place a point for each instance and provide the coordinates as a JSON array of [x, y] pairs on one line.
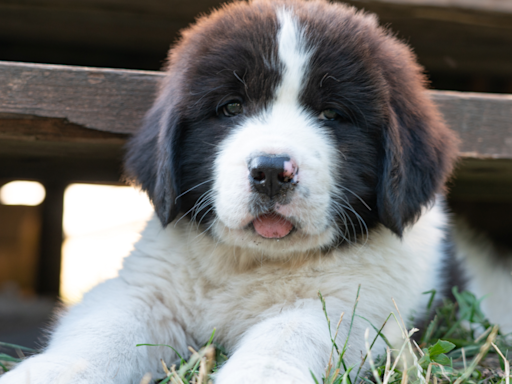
[[418, 149], [152, 157]]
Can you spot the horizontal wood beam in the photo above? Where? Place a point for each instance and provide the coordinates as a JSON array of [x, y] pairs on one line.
[[109, 100], [56, 103], [483, 122]]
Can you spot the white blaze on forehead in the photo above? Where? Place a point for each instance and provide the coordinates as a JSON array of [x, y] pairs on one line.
[[293, 55], [285, 127]]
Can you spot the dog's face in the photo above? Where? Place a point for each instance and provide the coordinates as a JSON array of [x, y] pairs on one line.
[[291, 126]]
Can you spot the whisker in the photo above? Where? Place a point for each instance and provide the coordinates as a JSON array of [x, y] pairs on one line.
[[187, 191], [207, 229], [362, 223], [356, 195], [341, 207], [201, 204], [202, 217], [341, 213], [348, 217], [194, 206]]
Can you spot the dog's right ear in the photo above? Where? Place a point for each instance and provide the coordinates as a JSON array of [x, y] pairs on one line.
[[151, 161]]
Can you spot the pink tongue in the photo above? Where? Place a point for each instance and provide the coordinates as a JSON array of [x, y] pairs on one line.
[[272, 226]]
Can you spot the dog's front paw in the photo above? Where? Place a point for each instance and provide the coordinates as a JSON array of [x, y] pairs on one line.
[[52, 369], [262, 372]]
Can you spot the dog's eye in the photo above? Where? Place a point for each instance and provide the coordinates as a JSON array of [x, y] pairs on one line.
[[329, 114], [232, 109]]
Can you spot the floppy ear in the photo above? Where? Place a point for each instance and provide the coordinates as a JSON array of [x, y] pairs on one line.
[[151, 161], [418, 152]]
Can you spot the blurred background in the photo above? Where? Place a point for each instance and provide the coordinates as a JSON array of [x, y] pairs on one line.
[[464, 45]]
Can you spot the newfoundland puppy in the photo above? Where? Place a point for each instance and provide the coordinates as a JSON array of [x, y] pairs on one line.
[[291, 149]]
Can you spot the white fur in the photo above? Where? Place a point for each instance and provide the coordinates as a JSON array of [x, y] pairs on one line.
[[490, 277], [177, 286], [284, 128]]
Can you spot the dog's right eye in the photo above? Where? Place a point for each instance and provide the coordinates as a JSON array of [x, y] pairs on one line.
[[232, 109], [329, 114]]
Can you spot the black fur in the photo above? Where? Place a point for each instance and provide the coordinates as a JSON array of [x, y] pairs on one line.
[[453, 274]]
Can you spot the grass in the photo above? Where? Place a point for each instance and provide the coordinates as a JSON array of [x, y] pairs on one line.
[[8, 360], [199, 367], [459, 346]]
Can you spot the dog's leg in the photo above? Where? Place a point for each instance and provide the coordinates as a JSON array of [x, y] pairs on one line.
[[292, 345], [95, 342]]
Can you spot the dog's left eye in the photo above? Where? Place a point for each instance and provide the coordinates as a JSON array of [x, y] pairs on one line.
[[232, 109], [329, 114]]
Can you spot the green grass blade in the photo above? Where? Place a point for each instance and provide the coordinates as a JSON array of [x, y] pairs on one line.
[[14, 346], [340, 360], [324, 309], [431, 300], [211, 338], [5, 357], [314, 377], [379, 333]]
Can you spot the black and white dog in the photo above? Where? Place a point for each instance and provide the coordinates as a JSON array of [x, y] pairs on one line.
[[292, 149]]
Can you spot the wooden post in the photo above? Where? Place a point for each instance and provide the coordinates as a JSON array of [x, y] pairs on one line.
[[49, 266]]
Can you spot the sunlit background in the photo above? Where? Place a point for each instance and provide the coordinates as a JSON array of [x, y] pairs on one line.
[[29, 193], [101, 224]]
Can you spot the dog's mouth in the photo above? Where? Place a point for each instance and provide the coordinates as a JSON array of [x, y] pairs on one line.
[[272, 226]]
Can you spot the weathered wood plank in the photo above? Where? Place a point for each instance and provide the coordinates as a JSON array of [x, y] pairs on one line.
[[115, 101], [98, 98], [50, 129], [483, 122]]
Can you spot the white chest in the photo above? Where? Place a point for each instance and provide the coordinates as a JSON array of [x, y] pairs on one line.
[[202, 283]]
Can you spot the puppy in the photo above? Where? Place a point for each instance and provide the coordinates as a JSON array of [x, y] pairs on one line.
[[291, 149]]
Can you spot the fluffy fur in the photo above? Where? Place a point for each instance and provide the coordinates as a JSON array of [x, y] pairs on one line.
[[319, 84], [489, 274]]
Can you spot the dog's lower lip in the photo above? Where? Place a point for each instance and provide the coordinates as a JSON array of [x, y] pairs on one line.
[[272, 226]]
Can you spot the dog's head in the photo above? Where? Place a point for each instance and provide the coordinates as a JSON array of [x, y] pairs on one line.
[[287, 125]]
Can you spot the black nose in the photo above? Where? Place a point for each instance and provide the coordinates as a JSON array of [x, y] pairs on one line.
[[272, 175]]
